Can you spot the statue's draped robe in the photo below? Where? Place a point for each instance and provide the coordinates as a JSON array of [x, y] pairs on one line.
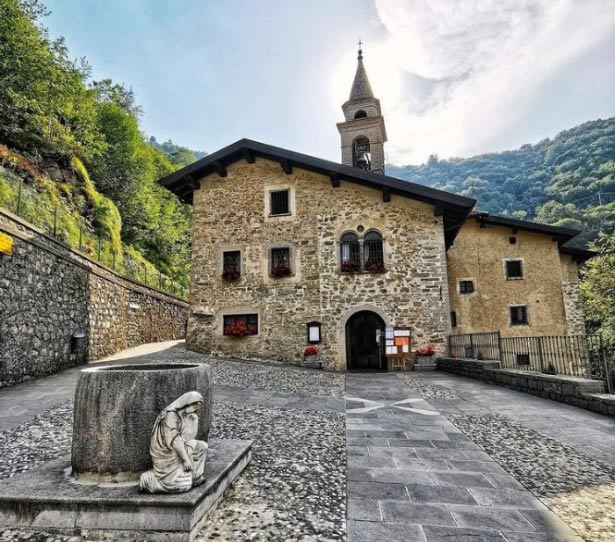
[[168, 474]]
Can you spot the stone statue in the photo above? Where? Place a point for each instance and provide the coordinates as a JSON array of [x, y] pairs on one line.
[[178, 458]]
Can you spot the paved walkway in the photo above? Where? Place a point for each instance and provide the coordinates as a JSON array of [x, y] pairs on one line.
[[413, 476], [587, 432]]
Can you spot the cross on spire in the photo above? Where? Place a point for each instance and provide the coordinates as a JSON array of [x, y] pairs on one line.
[[360, 50]]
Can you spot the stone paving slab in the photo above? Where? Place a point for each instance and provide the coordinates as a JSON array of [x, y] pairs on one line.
[[413, 475]]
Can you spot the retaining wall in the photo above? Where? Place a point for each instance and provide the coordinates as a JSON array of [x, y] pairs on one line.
[[49, 291], [581, 392]]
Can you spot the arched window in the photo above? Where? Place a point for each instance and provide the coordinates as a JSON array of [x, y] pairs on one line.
[[360, 114], [351, 252], [373, 252]]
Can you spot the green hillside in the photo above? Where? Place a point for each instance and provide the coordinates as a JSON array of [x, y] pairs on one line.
[[568, 180]]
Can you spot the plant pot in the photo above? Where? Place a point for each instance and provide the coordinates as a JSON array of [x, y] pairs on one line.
[[312, 360]]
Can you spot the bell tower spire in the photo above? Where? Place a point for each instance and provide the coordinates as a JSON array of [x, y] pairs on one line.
[[363, 132]]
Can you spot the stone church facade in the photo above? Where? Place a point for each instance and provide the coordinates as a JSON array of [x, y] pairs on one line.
[[291, 250]]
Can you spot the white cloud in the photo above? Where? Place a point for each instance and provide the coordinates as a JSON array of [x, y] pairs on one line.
[[482, 62]]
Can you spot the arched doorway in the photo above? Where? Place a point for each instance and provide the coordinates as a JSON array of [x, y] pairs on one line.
[[364, 342]]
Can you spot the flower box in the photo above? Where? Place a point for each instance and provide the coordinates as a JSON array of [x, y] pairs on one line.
[[376, 268], [351, 266], [280, 270], [239, 329], [230, 275], [311, 357]]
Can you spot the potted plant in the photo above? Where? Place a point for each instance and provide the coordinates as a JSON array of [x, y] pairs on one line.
[[376, 268], [351, 266], [239, 329], [230, 274], [281, 269], [424, 356], [311, 357]]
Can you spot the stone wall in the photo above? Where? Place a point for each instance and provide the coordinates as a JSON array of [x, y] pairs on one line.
[[48, 292], [548, 287], [581, 392], [230, 213]]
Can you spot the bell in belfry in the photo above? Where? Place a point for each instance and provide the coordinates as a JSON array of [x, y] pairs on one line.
[[363, 160]]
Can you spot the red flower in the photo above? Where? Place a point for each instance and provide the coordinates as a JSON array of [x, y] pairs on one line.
[[376, 268], [239, 329], [310, 351], [230, 274], [351, 266], [281, 269], [423, 352]]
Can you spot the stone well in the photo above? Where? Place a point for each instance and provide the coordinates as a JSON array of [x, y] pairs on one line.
[[115, 410]]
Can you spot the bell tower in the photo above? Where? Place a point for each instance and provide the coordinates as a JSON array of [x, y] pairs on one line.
[[363, 133]]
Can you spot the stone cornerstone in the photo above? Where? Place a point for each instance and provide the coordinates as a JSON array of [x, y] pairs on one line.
[[48, 292]]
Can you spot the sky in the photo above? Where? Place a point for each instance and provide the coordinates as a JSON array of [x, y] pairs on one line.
[[454, 77]]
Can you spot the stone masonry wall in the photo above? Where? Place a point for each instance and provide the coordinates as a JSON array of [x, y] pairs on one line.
[[230, 214], [573, 300], [48, 292], [581, 392]]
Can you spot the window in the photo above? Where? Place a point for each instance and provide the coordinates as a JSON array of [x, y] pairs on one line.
[[518, 315], [351, 253], [360, 114], [373, 253], [231, 265], [280, 262], [466, 286], [523, 359], [514, 269], [240, 325], [453, 319], [279, 203]]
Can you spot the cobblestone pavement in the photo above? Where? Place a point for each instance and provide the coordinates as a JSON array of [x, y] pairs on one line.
[[422, 456]]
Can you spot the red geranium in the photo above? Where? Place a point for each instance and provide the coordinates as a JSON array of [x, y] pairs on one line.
[[230, 274], [424, 352], [351, 266], [310, 351], [239, 329], [376, 268], [281, 269]]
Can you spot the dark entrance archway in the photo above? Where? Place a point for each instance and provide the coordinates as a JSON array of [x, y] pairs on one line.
[[364, 342]]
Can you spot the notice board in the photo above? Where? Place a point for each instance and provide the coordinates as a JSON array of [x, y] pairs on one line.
[[397, 341]]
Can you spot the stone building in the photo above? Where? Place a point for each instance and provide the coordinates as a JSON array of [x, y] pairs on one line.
[[291, 250]]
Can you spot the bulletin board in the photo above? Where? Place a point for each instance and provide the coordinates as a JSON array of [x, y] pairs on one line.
[[397, 342]]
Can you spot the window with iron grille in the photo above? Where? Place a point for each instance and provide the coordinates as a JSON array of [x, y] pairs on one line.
[[373, 252], [523, 359], [231, 264], [237, 325], [466, 286], [453, 319], [351, 253], [280, 262], [279, 202], [514, 269], [518, 315]]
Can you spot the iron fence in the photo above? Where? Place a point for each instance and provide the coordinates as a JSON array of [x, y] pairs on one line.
[[73, 230], [586, 356]]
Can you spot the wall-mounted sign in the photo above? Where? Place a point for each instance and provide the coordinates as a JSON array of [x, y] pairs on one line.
[[313, 332], [6, 244]]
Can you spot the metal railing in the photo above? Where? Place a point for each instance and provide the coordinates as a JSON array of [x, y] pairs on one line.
[[73, 230], [586, 356]]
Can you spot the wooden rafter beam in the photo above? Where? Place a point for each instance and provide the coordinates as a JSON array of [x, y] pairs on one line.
[[335, 180], [193, 183], [248, 156], [386, 194], [287, 167], [438, 209], [219, 169]]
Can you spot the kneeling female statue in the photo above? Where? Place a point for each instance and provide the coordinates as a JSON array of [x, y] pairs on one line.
[[178, 458]]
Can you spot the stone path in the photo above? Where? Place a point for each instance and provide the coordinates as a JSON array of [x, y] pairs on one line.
[[587, 432], [412, 475]]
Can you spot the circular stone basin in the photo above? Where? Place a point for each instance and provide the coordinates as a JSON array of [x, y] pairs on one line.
[[115, 410]]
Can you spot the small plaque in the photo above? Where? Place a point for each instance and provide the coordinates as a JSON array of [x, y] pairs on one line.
[[6, 244]]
